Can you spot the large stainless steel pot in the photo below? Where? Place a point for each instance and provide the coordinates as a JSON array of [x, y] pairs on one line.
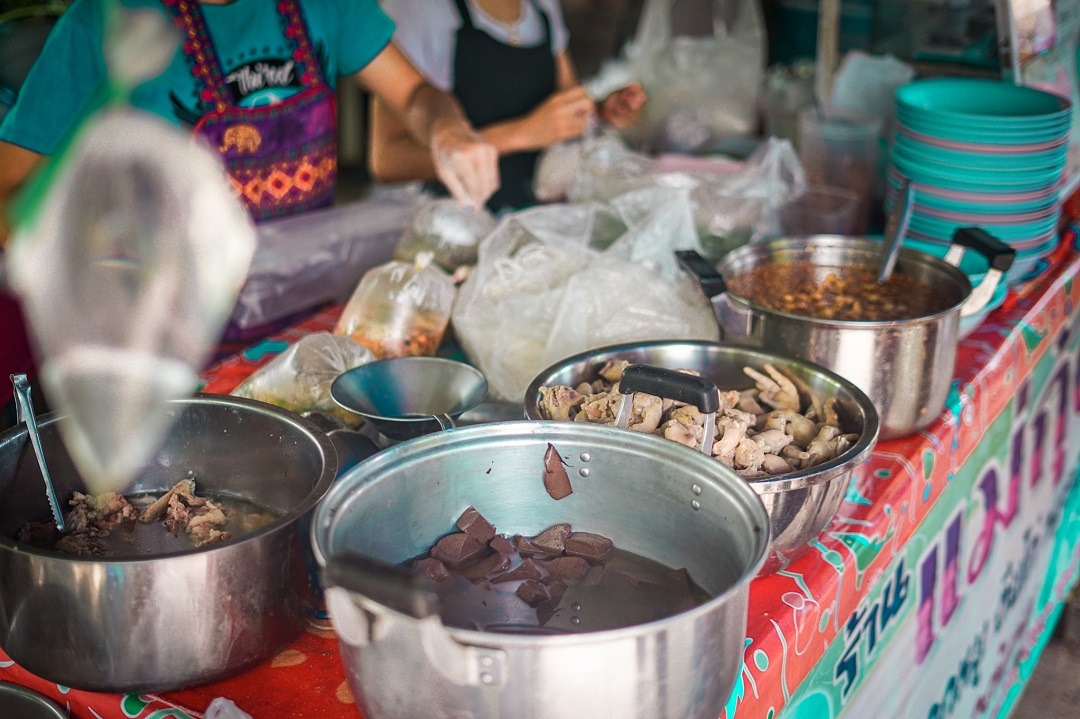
[[800, 504], [658, 499], [904, 366], [161, 623]]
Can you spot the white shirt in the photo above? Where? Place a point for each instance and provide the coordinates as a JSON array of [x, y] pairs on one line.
[[427, 29]]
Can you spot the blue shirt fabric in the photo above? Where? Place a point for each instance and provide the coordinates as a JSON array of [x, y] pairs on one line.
[[250, 42]]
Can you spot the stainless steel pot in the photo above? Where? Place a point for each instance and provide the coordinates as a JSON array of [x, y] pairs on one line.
[[161, 623], [904, 366], [658, 499], [800, 504]]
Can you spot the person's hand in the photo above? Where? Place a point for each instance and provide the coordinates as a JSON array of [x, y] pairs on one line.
[[562, 116], [465, 162], [622, 108]]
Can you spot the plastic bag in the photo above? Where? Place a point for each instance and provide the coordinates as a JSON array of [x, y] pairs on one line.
[[307, 260], [222, 708], [399, 310], [127, 276], [701, 89], [542, 290], [865, 86], [731, 210], [299, 379], [445, 232]]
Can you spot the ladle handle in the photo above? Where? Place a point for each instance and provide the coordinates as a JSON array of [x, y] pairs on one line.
[[445, 421], [896, 228], [391, 585], [25, 407], [711, 282]]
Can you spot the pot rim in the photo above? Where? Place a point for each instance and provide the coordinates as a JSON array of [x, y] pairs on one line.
[[807, 242], [799, 479], [305, 506], [448, 440]]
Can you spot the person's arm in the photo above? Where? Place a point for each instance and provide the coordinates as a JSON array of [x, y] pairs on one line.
[[464, 161], [16, 164], [396, 156]]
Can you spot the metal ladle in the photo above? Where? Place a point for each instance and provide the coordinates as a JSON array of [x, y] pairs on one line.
[[895, 229], [25, 407]]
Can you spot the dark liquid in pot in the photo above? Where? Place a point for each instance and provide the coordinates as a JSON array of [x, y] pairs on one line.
[[626, 590], [131, 539], [838, 293]]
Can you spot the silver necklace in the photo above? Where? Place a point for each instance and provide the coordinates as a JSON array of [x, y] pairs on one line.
[[512, 27]]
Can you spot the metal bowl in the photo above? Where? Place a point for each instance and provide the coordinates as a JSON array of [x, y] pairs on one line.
[[801, 503], [406, 397], [166, 622], [21, 703]]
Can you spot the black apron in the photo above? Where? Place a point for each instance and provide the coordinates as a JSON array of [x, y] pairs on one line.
[[493, 82]]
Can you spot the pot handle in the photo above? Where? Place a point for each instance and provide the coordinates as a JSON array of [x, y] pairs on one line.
[[997, 253], [669, 384], [733, 320], [392, 586]]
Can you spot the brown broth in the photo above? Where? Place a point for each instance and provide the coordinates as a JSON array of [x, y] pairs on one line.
[[838, 293], [626, 590]]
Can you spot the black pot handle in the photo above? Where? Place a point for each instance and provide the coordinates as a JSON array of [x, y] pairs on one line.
[[669, 384], [997, 253], [391, 585], [706, 276]]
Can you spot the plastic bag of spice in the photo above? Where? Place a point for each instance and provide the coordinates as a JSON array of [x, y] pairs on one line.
[[399, 310]]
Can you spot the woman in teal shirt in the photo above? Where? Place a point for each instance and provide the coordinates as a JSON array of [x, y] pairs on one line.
[[256, 78]]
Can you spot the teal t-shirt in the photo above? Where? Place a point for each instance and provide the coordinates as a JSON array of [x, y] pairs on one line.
[[249, 38]]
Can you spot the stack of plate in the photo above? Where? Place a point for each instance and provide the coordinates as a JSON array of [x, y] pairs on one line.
[[981, 153]]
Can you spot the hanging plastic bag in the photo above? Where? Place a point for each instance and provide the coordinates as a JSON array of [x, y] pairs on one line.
[[445, 232], [299, 378], [701, 89], [399, 310], [542, 290], [128, 274]]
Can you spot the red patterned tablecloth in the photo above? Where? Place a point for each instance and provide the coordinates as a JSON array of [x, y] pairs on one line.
[[795, 615]]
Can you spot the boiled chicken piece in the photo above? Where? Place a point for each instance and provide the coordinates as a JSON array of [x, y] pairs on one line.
[[612, 371], [792, 423], [772, 441], [732, 433], [689, 435], [558, 402], [777, 391], [748, 454], [648, 409], [774, 464]]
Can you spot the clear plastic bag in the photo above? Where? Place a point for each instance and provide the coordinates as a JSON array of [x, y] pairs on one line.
[[445, 232], [732, 210], [299, 379], [304, 261], [701, 89], [542, 290], [399, 310], [127, 276]]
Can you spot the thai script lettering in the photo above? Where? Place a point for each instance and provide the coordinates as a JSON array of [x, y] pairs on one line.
[[868, 623]]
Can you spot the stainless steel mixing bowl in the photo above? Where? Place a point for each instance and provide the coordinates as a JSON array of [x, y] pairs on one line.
[[800, 504], [172, 621]]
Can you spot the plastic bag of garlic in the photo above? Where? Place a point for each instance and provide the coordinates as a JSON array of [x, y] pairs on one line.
[[544, 290]]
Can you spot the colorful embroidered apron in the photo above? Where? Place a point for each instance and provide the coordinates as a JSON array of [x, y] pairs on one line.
[[282, 158]]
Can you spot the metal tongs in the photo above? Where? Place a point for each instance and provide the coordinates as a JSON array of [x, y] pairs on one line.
[[670, 384], [25, 407]]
